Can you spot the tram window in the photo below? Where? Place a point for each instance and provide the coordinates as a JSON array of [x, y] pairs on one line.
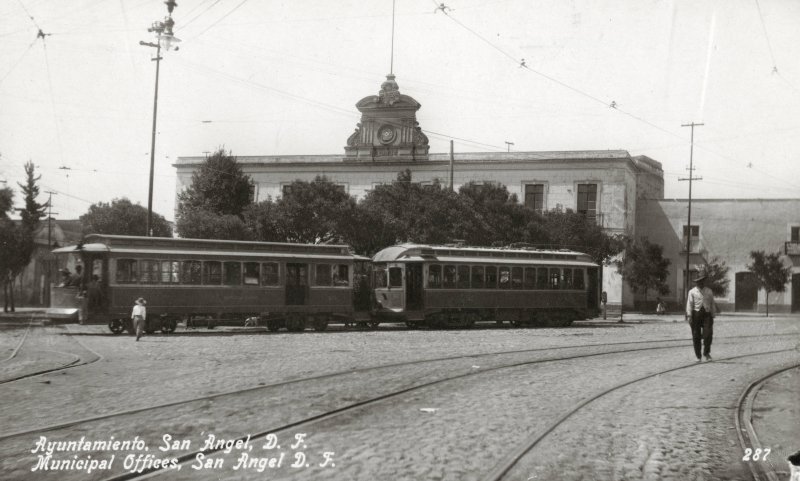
[[477, 277], [567, 284], [127, 271], [577, 279], [341, 275], [233, 273], [491, 277], [251, 274], [555, 277], [449, 280], [434, 276], [149, 272], [463, 277], [516, 277], [170, 272], [530, 278], [395, 277], [190, 272], [270, 270], [505, 277], [541, 278], [323, 275], [380, 276], [212, 273]]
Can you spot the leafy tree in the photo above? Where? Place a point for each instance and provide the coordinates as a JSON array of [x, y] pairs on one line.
[[571, 230], [219, 186], [499, 219], [33, 211], [202, 224], [312, 212], [122, 217], [12, 241], [770, 272], [716, 272], [644, 267]]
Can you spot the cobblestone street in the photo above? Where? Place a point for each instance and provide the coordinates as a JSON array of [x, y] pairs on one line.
[[599, 400]]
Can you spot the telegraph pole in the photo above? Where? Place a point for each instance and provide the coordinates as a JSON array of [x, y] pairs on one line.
[[689, 223], [48, 263], [452, 161]]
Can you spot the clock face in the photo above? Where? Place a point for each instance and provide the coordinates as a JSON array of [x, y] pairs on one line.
[[386, 134]]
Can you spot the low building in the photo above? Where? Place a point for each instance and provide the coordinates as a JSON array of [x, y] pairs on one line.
[[728, 229]]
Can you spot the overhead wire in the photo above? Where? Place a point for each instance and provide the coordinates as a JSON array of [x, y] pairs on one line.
[[15, 64]]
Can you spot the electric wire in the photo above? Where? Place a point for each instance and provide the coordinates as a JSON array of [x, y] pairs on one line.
[[15, 64]]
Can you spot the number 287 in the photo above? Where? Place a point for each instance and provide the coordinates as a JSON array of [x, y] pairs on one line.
[[757, 455]]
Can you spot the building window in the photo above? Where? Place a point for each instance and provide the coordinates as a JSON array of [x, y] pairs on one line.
[[286, 190], [534, 197], [695, 240], [795, 234], [587, 200]]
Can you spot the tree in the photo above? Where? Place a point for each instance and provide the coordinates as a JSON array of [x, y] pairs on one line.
[[219, 186], [770, 272], [122, 217], [644, 267], [572, 230], [12, 243], [716, 272], [308, 212], [202, 224], [499, 219], [33, 211]]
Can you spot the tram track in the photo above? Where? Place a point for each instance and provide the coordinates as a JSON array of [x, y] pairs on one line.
[[748, 439], [20, 343], [322, 377], [78, 360], [501, 469], [332, 413]]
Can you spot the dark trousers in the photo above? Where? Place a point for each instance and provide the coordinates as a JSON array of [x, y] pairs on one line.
[[702, 328]]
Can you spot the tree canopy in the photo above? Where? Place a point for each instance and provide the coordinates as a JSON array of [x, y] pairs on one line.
[[770, 272], [716, 272], [122, 217], [219, 186], [644, 267]]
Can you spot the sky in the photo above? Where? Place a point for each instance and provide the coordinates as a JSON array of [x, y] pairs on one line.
[[267, 77]]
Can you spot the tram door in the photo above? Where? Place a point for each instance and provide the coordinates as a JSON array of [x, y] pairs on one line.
[[296, 284], [413, 287]]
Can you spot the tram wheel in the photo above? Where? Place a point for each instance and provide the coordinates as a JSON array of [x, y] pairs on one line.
[[320, 323], [273, 325], [295, 323], [374, 324], [116, 326]]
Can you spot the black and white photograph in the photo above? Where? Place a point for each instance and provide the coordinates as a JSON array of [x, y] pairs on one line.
[[470, 240]]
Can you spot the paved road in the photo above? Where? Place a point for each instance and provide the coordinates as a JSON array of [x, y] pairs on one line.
[[678, 425]]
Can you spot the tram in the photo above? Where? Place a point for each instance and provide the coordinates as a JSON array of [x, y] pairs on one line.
[[283, 285], [440, 286]]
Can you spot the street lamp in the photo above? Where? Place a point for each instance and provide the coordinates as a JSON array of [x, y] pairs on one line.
[[165, 40]]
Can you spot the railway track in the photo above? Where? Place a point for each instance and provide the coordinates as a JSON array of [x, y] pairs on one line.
[[264, 388], [499, 471], [76, 361], [748, 439]]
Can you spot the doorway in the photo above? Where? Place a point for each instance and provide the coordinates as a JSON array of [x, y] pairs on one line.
[[296, 284], [413, 287], [746, 292]]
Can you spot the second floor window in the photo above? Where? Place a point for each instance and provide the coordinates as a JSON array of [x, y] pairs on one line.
[[695, 237], [534, 197], [795, 234], [587, 200]]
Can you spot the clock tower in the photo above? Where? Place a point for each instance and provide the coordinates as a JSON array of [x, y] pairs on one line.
[[388, 131]]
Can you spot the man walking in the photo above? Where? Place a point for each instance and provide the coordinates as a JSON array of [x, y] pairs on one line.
[[138, 315], [700, 310]]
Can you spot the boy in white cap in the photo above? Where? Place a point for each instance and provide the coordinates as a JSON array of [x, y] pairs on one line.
[[700, 309], [138, 315]]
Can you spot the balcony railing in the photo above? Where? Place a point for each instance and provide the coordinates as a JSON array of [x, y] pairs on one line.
[[792, 248]]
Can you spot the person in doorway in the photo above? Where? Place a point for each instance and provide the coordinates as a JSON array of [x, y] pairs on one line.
[[138, 315], [700, 310], [94, 293]]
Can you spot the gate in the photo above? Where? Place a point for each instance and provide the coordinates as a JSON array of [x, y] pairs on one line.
[[746, 292]]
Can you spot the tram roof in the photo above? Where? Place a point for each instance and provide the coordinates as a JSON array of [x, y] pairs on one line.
[[421, 252], [166, 245]]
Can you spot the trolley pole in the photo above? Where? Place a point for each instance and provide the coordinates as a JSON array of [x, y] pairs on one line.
[[689, 221]]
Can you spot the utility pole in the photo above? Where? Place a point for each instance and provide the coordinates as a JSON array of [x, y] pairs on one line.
[[508, 144], [49, 261], [689, 222]]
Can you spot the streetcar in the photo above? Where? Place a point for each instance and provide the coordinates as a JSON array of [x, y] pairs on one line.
[[441, 286], [282, 285]]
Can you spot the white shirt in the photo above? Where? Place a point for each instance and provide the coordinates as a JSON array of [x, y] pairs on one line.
[[139, 310], [700, 298]]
